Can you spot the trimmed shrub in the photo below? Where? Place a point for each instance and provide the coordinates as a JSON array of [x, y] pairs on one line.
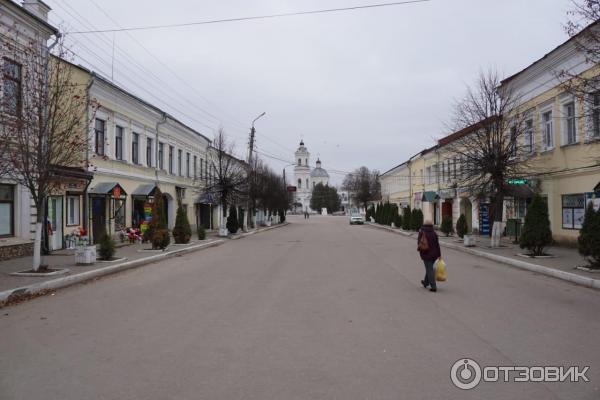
[[106, 249], [589, 237], [406, 225], [182, 232], [461, 226], [446, 225], [416, 219], [398, 220], [536, 234], [161, 239], [201, 232], [232, 220], [159, 220]]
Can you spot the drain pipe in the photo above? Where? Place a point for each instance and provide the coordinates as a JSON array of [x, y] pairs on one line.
[[162, 121], [87, 152]]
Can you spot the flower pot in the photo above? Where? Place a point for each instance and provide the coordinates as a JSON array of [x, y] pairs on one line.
[[85, 255], [469, 240]]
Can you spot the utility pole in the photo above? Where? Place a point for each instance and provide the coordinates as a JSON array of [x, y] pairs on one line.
[[250, 164]]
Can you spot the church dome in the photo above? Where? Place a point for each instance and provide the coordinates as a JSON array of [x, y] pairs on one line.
[[319, 172]]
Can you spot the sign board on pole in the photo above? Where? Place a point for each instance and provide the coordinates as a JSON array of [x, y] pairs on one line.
[[517, 181]]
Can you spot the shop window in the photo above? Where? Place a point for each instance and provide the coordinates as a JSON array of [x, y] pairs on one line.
[[119, 207], [72, 210], [573, 211], [7, 210]]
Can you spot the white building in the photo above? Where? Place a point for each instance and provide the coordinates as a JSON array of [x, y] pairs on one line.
[[306, 178], [22, 28]]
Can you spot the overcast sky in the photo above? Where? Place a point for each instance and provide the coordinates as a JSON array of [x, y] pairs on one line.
[[369, 87]]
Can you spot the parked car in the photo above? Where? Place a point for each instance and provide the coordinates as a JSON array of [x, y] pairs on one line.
[[356, 217]]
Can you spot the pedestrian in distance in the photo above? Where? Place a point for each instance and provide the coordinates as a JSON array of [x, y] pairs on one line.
[[428, 247]]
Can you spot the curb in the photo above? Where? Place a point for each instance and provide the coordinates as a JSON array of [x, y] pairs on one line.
[[268, 228], [551, 272], [85, 276]]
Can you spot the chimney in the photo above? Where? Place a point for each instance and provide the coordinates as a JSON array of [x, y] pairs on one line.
[[37, 8]]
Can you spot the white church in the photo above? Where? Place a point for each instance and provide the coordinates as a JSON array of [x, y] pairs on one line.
[[306, 177]]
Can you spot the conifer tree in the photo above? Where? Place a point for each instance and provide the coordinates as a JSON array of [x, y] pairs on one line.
[[536, 234], [589, 237]]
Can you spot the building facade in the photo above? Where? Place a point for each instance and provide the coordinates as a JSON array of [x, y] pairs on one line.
[[22, 29]]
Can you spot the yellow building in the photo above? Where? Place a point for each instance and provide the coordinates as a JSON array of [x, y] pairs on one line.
[[134, 148], [563, 140]]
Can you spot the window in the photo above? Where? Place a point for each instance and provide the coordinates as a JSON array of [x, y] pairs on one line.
[[299, 183], [596, 115], [201, 168], [119, 207], [529, 136], [570, 123], [443, 170], [171, 149], [307, 185], [299, 161], [513, 142], [99, 126], [449, 170], [7, 210], [179, 162], [454, 162], [428, 170], [119, 142], [135, 144], [306, 162], [206, 169], [161, 155], [547, 131], [195, 167], [12, 88], [573, 211], [187, 165], [72, 210], [149, 152]]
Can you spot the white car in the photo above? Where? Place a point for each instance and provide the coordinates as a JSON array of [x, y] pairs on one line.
[[356, 218]]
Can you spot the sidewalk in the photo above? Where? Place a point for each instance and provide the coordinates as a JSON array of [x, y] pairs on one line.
[[561, 265], [128, 256]]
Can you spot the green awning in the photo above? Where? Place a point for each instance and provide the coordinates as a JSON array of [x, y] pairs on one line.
[[429, 197]]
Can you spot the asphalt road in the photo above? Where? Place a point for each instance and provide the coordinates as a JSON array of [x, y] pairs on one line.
[[315, 310]]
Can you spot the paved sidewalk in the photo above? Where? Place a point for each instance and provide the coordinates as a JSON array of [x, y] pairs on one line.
[[564, 259], [127, 256]]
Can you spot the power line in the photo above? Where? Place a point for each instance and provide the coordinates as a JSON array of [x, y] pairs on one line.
[[238, 19]]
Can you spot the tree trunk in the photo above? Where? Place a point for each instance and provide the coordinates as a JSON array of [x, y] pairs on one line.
[[497, 227], [37, 244]]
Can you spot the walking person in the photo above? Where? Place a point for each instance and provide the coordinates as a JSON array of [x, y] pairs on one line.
[[428, 246]]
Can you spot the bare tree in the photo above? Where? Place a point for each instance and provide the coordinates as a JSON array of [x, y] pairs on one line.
[[42, 123], [489, 144], [583, 28], [363, 186], [229, 176]]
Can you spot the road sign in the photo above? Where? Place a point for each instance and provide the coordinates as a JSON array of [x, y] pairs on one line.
[[517, 181], [291, 188]]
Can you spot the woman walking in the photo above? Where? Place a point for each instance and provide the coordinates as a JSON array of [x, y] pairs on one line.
[[428, 246]]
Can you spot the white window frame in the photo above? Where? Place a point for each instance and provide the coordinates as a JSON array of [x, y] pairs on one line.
[[594, 132], [544, 128], [529, 136], [567, 120], [76, 200]]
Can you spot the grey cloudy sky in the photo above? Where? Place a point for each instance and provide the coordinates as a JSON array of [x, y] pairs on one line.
[[368, 87]]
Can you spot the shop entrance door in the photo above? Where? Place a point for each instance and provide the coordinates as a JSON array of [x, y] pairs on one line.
[[55, 219], [98, 217]]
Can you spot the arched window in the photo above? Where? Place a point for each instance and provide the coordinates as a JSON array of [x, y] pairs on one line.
[[307, 186], [299, 183], [299, 161]]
